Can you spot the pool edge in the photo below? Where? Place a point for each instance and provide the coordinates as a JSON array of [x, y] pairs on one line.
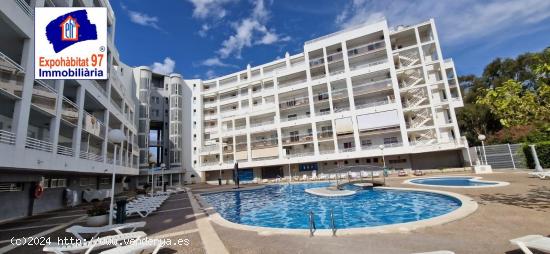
[[476, 178], [468, 206]]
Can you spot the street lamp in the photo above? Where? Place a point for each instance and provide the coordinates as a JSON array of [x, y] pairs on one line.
[[162, 167], [381, 147], [116, 136], [482, 138]]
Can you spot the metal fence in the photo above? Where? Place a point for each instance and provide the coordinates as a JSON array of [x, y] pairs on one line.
[[501, 156]]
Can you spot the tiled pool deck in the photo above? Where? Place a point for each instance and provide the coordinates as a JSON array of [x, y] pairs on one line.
[[504, 213]]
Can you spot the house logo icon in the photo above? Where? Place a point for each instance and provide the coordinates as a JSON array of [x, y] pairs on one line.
[[69, 29]]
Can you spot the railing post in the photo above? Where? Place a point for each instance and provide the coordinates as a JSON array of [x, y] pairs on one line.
[[332, 224], [511, 156], [312, 227]]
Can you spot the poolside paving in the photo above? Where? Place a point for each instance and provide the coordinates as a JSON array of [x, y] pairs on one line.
[[504, 213]]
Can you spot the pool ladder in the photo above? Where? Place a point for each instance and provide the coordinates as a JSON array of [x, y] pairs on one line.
[[313, 228]]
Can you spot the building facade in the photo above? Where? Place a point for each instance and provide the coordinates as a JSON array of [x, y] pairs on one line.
[[55, 132], [348, 99]]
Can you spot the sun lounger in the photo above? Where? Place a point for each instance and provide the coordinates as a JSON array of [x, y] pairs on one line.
[[332, 176], [77, 231], [537, 242], [541, 175], [95, 244], [152, 246], [304, 177]]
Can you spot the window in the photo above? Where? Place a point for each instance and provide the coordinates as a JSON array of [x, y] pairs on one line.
[[7, 187], [375, 160], [55, 183], [367, 142], [390, 140], [86, 181], [348, 145], [368, 160]]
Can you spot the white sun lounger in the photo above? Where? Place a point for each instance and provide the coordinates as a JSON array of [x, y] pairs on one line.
[[537, 242], [95, 244], [541, 175], [77, 231], [139, 247]]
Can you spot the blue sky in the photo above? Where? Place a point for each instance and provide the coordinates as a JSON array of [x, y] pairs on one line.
[[209, 38]]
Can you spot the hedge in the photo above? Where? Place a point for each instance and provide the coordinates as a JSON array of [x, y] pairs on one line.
[[543, 153]]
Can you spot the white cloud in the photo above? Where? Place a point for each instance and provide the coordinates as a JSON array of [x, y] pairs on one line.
[[210, 8], [215, 61], [457, 20], [204, 30], [210, 74], [251, 31], [142, 18], [166, 67]]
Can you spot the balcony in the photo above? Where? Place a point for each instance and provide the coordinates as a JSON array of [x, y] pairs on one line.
[[99, 87], [7, 137], [210, 148], [386, 145], [347, 150], [325, 135], [316, 62], [44, 97], [335, 57], [91, 156], [339, 93], [294, 103], [372, 87], [264, 123], [64, 150], [12, 76], [38, 144], [92, 125], [291, 82], [294, 118], [265, 143], [366, 49], [300, 154], [69, 111], [294, 139], [25, 6], [370, 104]]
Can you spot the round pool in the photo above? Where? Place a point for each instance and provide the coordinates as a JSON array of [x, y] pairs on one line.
[[455, 182], [288, 206]]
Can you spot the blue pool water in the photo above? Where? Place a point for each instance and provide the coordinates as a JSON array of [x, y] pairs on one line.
[[452, 181], [288, 206]]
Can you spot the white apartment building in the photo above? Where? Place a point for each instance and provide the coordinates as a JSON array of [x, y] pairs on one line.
[[333, 105], [55, 131]]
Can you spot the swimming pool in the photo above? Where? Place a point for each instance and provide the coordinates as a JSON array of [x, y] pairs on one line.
[[455, 182], [288, 207]]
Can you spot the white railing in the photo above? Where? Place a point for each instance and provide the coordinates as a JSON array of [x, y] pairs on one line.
[[210, 148], [372, 86], [296, 102], [297, 138], [360, 66], [325, 135], [91, 156], [7, 137], [38, 144], [264, 143], [322, 113], [116, 105], [377, 147], [423, 142], [288, 119], [295, 155], [342, 109], [366, 48], [374, 104], [64, 150], [335, 57], [347, 150], [291, 83], [209, 163], [326, 151], [252, 125]]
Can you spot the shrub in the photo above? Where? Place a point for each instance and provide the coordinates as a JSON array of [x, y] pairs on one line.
[[543, 153]]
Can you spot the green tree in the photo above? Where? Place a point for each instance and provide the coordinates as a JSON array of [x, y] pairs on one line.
[[511, 104]]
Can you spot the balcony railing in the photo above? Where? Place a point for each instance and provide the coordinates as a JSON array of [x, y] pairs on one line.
[[316, 62], [339, 93], [300, 154], [99, 87], [64, 150], [374, 103], [293, 118], [69, 111], [252, 125], [241, 147], [210, 148], [44, 97], [12, 80], [113, 102], [372, 86], [37, 144], [293, 103], [291, 82], [297, 139], [326, 151], [210, 163], [347, 150], [367, 48], [323, 135], [25, 7], [7, 137], [264, 143], [377, 147], [319, 97], [335, 57], [369, 64]]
